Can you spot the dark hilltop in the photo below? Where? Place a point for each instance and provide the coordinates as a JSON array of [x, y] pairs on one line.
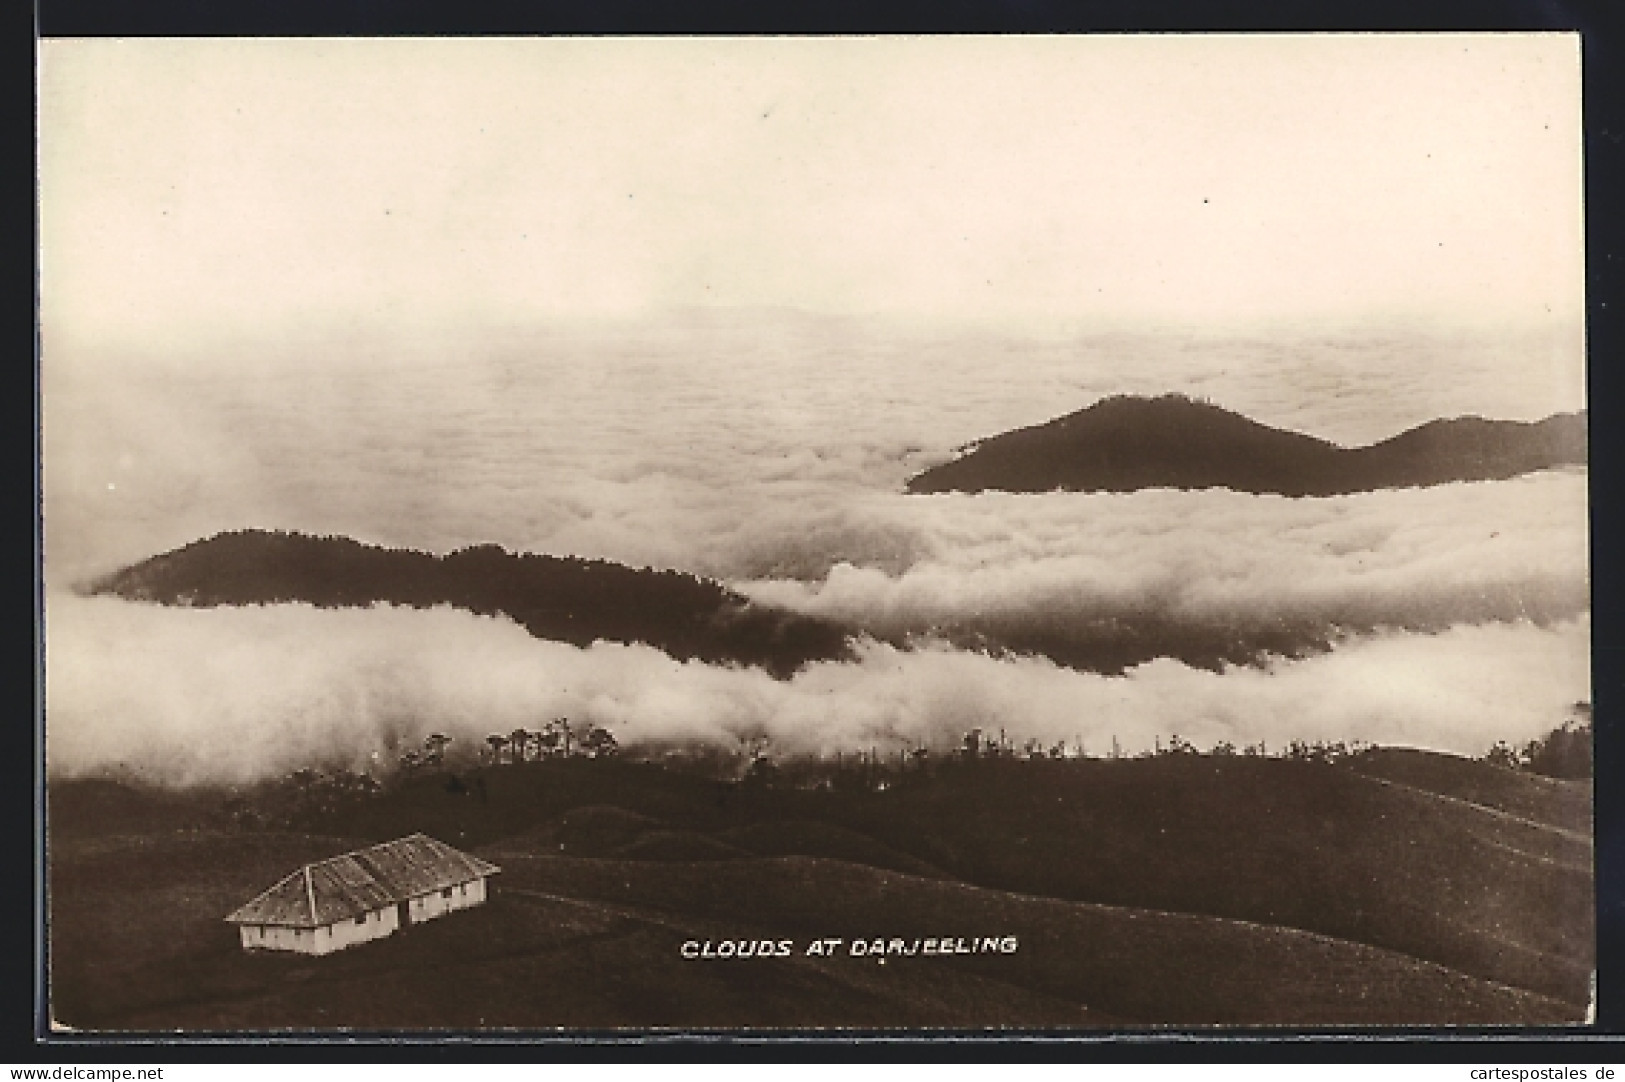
[[552, 597], [1127, 443]]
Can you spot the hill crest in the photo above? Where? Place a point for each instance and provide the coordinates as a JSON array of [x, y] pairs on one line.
[[1126, 442], [552, 597]]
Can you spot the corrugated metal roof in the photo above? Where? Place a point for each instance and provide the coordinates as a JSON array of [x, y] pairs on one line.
[[350, 884]]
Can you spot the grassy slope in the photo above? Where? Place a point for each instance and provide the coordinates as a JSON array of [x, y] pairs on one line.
[[1286, 844], [1142, 966], [1307, 845], [129, 912], [599, 830], [1300, 844], [1558, 803], [139, 945]]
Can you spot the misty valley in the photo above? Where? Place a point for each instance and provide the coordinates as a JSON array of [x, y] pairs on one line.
[[1124, 443], [1167, 878]]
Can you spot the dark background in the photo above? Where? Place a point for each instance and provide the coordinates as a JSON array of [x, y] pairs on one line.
[[1602, 27]]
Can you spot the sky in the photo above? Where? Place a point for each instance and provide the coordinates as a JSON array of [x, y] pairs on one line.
[[197, 191]]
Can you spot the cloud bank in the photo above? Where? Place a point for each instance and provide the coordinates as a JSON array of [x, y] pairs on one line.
[[1420, 559], [235, 695]]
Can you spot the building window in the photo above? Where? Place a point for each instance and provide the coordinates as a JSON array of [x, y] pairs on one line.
[[446, 893], [362, 919]]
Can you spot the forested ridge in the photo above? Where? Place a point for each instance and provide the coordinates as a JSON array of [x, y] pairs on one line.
[[1126, 443], [553, 597]]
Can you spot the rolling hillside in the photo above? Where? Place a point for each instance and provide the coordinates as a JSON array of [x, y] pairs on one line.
[[1296, 891], [1562, 804], [596, 944]]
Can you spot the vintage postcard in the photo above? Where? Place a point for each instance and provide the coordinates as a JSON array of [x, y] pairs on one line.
[[1067, 533]]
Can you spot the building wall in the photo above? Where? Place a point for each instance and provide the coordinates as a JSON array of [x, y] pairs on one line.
[[273, 938], [374, 925], [441, 902], [323, 940], [346, 933]]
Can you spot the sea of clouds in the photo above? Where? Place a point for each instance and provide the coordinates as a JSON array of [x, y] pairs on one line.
[[1415, 559], [230, 696], [770, 453]]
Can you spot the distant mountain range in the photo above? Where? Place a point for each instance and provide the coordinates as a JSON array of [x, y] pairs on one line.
[[1127, 443], [552, 597]]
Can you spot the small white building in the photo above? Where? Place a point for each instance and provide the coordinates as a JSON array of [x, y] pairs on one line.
[[367, 894]]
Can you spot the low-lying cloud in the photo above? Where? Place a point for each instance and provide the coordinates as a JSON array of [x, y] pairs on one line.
[[230, 696], [1223, 562]]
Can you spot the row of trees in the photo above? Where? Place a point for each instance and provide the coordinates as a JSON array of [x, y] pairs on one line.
[[309, 794], [556, 738], [977, 745], [876, 768]]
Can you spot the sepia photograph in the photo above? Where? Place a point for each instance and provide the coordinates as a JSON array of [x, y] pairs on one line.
[[814, 535]]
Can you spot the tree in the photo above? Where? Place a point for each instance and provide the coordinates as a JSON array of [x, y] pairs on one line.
[[497, 742], [598, 741], [1503, 756], [1565, 752], [762, 772], [753, 745], [349, 785], [516, 742], [434, 748]]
